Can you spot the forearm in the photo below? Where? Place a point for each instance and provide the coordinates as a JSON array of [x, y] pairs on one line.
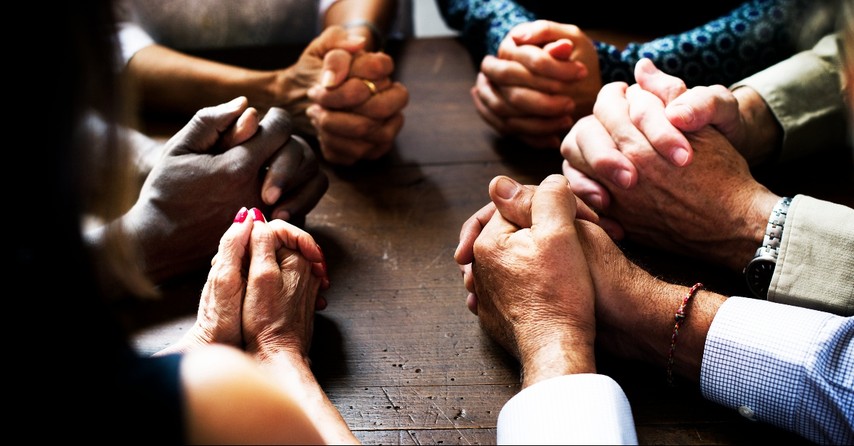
[[645, 331], [293, 374], [349, 13], [483, 24], [173, 81], [766, 136], [562, 355]]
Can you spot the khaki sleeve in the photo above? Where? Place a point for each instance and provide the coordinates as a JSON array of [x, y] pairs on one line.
[[804, 92], [815, 267]]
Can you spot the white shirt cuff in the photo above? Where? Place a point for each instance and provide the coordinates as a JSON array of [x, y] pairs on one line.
[[571, 409]]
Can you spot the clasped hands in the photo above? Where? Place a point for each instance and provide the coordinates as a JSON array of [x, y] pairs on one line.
[[533, 267], [262, 290], [544, 77], [353, 105]]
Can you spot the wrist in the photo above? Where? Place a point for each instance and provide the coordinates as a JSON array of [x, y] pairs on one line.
[[766, 133], [562, 355]]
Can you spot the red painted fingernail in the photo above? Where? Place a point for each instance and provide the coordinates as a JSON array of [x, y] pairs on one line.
[[241, 215], [258, 215]]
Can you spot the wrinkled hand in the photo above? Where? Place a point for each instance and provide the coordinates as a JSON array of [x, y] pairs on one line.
[[544, 78], [659, 122], [184, 204], [712, 208], [286, 272], [534, 291], [351, 121]]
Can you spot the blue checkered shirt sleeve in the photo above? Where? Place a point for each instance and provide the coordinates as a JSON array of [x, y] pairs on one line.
[[788, 366]]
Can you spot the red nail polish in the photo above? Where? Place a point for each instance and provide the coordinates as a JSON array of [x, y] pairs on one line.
[[241, 215], [258, 215]]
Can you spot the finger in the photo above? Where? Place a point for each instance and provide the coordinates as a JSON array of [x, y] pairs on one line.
[[334, 37], [553, 206], [335, 68], [509, 72], [605, 138], [299, 200], [372, 65], [355, 126], [561, 49], [385, 104], [589, 191], [289, 167], [647, 113], [209, 124], [533, 102], [494, 121], [540, 62], [243, 129], [296, 239], [701, 106], [512, 200], [350, 93], [232, 246], [542, 32], [273, 132], [470, 230], [490, 97], [590, 149], [659, 83]]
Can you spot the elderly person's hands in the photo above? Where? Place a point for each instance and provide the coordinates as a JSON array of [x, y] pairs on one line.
[[712, 208], [741, 115], [544, 78], [534, 291], [286, 272], [184, 204], [248, 307]]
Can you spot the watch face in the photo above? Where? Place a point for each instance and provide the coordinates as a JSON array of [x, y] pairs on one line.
[[758, 274]]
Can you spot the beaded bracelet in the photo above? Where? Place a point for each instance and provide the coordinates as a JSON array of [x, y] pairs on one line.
[[679, 317]]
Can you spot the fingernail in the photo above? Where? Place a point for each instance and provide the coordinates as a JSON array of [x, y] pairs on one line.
[[679, 156], [258, 215], [327, 79], [683, 112], [593, 200], [505, 188], [272, 194], [322, 256], [241, 215], [623, 178], [282, 214], [356, 38]]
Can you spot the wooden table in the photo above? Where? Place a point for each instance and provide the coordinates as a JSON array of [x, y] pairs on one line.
[[396, 350]]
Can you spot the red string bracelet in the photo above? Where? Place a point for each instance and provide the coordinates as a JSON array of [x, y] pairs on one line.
[[679, 317]]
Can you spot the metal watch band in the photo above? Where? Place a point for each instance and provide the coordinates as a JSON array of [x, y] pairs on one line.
[[774, 230]]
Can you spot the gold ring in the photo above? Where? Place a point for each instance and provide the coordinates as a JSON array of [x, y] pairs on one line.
[[371, 86]]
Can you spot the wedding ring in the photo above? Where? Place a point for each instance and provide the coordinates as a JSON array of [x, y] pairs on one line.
[[371, 86]]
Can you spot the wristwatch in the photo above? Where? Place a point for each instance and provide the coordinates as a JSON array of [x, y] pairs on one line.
[[758, 271]]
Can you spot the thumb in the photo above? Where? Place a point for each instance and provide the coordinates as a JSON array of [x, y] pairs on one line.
[[659, 83], [512, 200], [209, 124], [336, 68], [334, 37], [553, 205]]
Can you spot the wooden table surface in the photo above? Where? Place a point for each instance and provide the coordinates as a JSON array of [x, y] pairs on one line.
[[396, 350]]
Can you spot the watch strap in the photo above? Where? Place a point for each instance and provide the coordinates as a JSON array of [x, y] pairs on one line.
[[774, 229]]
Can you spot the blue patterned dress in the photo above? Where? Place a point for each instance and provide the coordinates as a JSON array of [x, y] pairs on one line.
[[713, 44]]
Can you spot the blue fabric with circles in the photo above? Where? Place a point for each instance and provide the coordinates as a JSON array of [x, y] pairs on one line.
[[747, 39]]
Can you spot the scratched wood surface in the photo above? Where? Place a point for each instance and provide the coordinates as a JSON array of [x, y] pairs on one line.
[[396, 350]]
